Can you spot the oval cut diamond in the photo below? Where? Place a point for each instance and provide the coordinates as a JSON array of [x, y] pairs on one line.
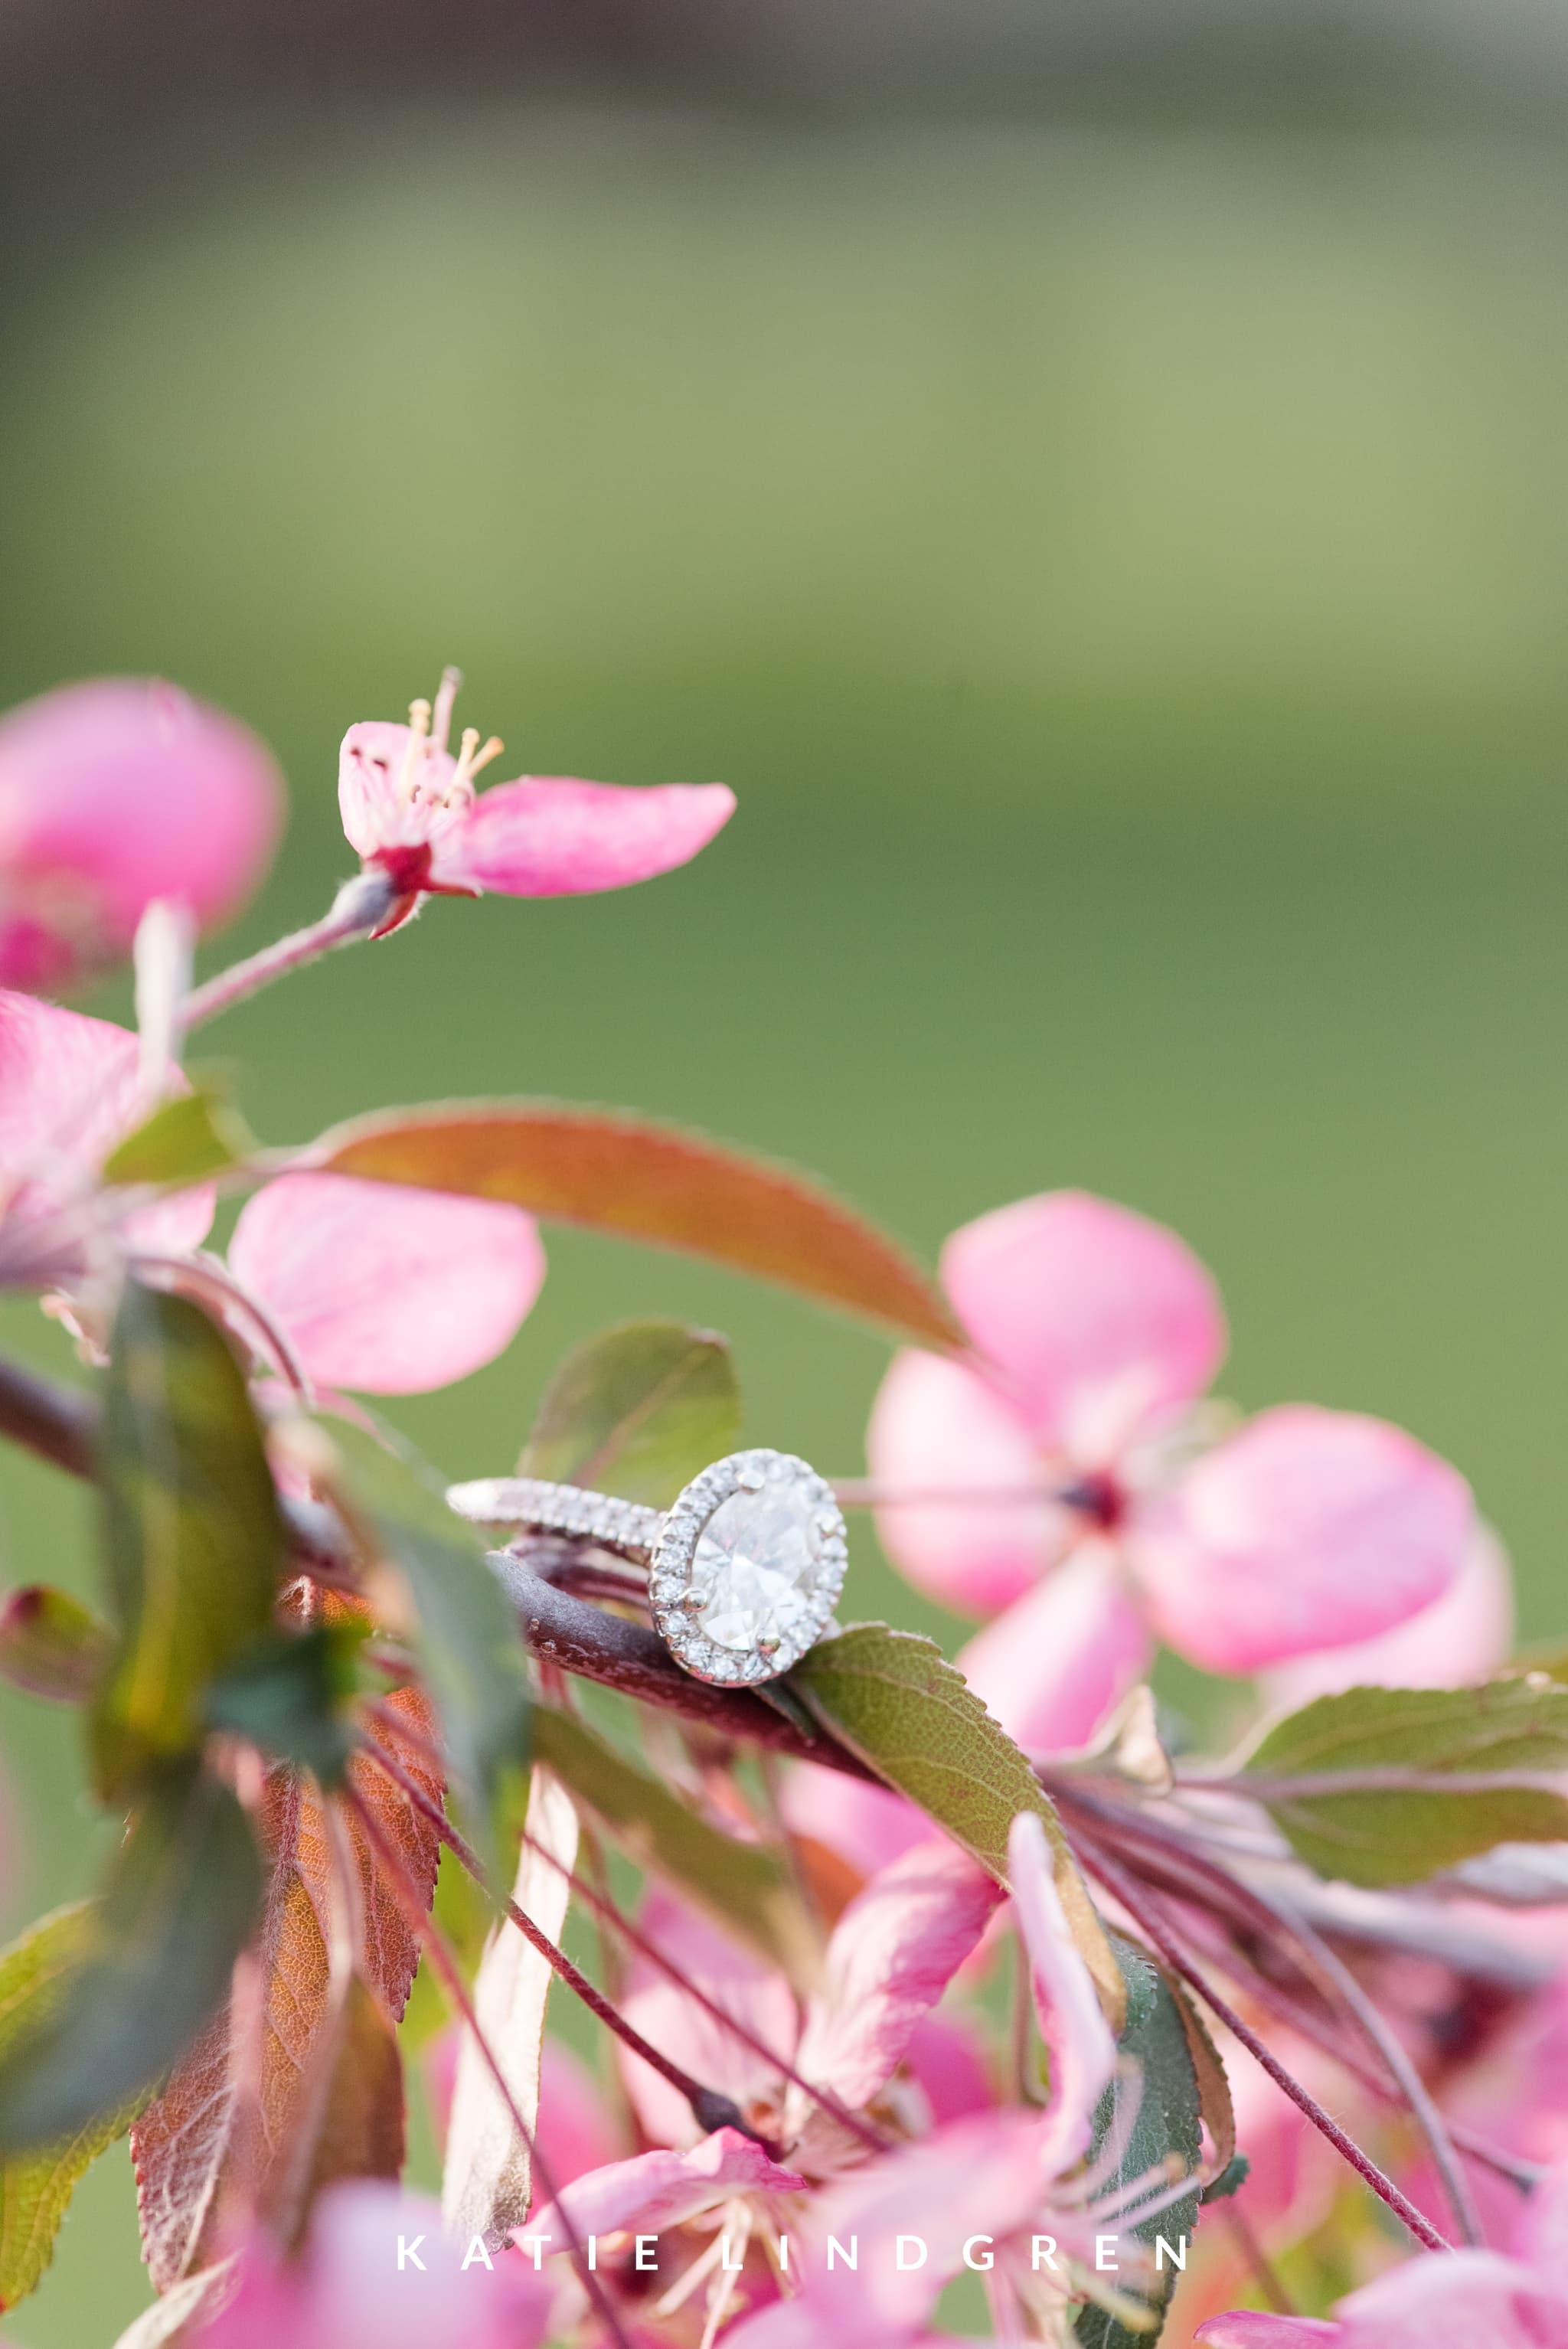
[[759, 1569], [748, 1567]]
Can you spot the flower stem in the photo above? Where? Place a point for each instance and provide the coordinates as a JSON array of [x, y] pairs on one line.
[[710, 2110], [359, 906]]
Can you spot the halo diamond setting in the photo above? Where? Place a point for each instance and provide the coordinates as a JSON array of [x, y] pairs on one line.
[[748, 1567]]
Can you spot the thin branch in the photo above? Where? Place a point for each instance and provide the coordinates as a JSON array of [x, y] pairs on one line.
[[1428, 2120], [434, 1943], [58, 1422], [873, 2138], [709, 2108], [1322, 1783], [359, 906], [1148, 1915], [1308, 2024]]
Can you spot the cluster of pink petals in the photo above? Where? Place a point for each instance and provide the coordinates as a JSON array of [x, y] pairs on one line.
[[114, 793], [369, 1286], [1450, 2300], [410, 808], [1005, 2176], [891, 1958], [350, 2291], [1072, 1500]]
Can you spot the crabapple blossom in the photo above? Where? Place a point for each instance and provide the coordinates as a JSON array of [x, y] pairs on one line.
[[891, 1956], [1012, 2176], [411, 811], [1068, 1435], [113, 793], [362, 1285], [378, 2273]]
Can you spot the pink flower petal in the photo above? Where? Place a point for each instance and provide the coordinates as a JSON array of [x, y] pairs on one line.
[[1243, 2330], [981, 2176], [576, 2129], [1464, 2297], [552, 836], [664, 2189], [1081, 2050], [113, 793], [1060, 1657], [388, 801], [389, 1290], [947, 2063], [70, 1091], [660, 2008], [351, 2292], [1102, 1322], [1463, 1636], [937, 1427], [1310, 1528], [867, 1825], [892, 1953]]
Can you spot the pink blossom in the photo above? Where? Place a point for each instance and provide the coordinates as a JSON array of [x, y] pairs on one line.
[[390, 1291], [889, 1960], [1009, 2178], [1465, 1635], [70, 1089], [1069, 1435], [114, 793], [351, 2290], [410, 808]]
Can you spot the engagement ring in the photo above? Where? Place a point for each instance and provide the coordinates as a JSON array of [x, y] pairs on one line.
[[744, 1572]]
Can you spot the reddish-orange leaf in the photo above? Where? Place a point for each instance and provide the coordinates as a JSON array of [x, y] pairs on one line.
[[322, 2098], [614, 1172]]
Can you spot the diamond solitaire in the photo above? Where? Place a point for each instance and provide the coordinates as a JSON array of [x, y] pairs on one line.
[[748, 1567]]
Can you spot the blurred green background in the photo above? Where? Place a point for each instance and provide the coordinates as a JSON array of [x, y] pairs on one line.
[[1122, 572]]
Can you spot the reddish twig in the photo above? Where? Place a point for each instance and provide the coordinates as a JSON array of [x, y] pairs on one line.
[[709, 2108], [1147, 1914], [873, 2138]]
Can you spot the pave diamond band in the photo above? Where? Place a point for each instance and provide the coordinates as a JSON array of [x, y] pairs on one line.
[[744, 1571], [623, 1525]]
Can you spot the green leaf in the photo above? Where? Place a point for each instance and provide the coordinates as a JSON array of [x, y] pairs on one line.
[[893, 1700], [637, 1411], [193, 1543], [1394, 1835], [1163, 2092], [290, 1696], [614, 1172], [465, 1634], [195, 1136], [745, 1889], [181, 1896], [51, 1644], [35, 2188]]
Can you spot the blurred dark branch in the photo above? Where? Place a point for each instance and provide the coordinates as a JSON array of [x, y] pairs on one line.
[[60, 1423]]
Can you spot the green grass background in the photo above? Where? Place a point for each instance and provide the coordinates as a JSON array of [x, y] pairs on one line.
[[1124, 579]]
